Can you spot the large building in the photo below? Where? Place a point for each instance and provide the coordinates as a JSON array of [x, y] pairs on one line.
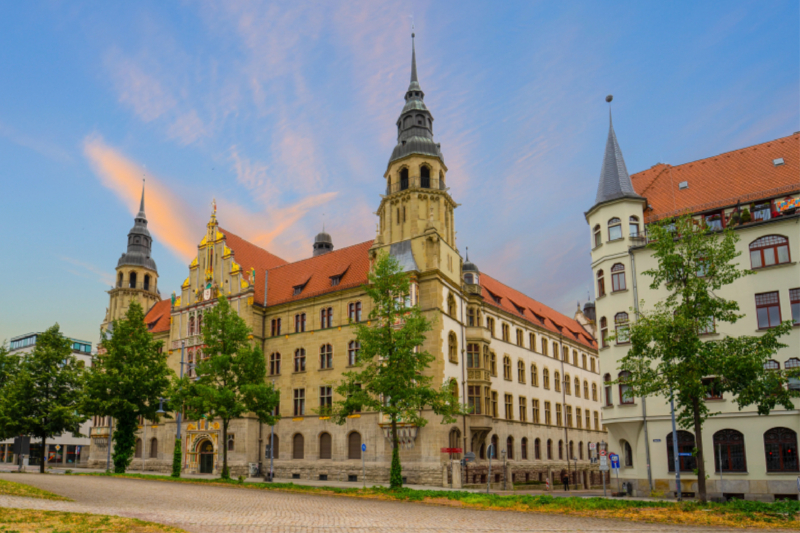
[[529, 373], [66, 449], [755, 190]]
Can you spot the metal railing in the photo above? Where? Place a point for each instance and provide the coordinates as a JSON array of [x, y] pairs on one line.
[[416, 182], [149, 287]]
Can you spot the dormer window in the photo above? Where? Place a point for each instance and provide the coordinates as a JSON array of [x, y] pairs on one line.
[[298, 289], [335, 280], [469, 279]]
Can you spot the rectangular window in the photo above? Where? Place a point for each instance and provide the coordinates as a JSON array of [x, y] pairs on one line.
[[523, 409], [588, 420], [768, 310], [535, 411], [299, 402], [547, 418], [712, 389], [509, 407], [578, 420], [299, 322], [558, 414], [276, 327], [596, 421], [506, 329], [520, 337], [474, 399], [300, 360], [473, 356], [494, 404], [325, 397], [569, 415], [794, 297]]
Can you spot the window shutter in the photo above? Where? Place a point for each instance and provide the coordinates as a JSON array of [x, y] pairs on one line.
[[325, 446], [354, 445]]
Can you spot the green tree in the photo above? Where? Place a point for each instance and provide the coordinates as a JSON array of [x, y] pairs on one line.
[[42, 396], [231, 379], [8, 370], [127, 380], [668, 356], [391, 366]]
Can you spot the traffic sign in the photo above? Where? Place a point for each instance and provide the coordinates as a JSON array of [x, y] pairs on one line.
[[684, 454], [452, 450], [470, 456], [603, 453], [604, 463], [614, 461], [58, 447], [364, 447], [592, 445]]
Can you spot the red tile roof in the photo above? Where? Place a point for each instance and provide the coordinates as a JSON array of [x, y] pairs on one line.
[[352, 263], [513, 301], [248, 256], [157, 318], [723, 180]]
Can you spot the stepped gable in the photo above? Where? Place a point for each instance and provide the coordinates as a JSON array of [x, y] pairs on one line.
[[517, 303], [248, 256], [723, 180], [157, 318], [314, 274]]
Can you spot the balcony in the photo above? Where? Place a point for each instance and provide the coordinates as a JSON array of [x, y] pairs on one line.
[[147, 287], [416, 183], [194, 340], [478, 374], [478, 333]]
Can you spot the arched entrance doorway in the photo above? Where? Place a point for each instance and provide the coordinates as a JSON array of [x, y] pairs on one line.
[[205, 457]]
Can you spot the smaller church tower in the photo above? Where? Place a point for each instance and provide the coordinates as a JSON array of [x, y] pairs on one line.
[[323, 243], [137, 275]]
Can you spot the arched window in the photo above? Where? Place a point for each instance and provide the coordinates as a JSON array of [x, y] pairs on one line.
[[544, 346], [771, 364], [274, 442], [583, 357], [568, 385], [326, 317], [354, 445], [622, 328], [557, 381], [523, 450], [154, 448], [495, 444], [575, 357], [555, 350], [627, 453], [298, 447], [231, 442], [300, 360], [137, 451], [451, 305], [687, 463], [452, 347], [199, 329], [546, 378], [425, 177], [729, 445], [603, 333], [510, 447], [454, 441], [507, 368], [607, 380], [521, 371], [769, 250], [561, 449], [471, 310], [780, 446], [625, 396], [325, 446], [594, 391], [598, 239], [571, 450], [326, 356], [634, 226], [550, 449], [191, 324], [534, 376], [614, 229], [404, 174], [147, 282], [354, 311], [532, 341], [274, 364], [580, 450], [132, 280], [119, 279], [454, 388], [792, 363], [537, 449], [493, 363], [617, 277], [577, 388], [352, 352], [768, 309], [586, 389]]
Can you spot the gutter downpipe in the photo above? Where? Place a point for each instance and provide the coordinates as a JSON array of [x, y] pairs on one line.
[[464, 387], [644, 400]]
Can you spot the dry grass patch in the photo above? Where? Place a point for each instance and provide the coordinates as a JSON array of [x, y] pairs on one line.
[[30, 520], [11, 488]]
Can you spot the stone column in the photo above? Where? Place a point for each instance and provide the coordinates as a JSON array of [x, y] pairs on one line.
[[456, 465]]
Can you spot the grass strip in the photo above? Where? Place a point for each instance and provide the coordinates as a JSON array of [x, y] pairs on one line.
[[30, 520], [11, 488], [736, 513]]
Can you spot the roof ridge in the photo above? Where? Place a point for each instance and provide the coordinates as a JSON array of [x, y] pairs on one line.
[[339, 250], [226, 232], [723, 153]]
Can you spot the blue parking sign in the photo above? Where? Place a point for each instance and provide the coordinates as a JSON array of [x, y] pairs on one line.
[[614, 460]]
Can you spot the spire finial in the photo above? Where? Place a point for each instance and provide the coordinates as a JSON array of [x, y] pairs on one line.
[[141, 203], [413, 57]]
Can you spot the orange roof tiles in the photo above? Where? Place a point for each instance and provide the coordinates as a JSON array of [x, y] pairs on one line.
[[534, 312], [157, 318], [314, 273], [248, 255], [723, 180]]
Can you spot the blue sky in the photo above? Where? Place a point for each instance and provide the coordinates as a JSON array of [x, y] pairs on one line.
[[284, 112]]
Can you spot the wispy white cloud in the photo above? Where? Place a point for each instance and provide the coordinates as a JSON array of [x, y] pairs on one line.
[[98, 274], [39, 145]]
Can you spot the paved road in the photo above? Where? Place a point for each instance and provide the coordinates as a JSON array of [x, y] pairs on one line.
[[201, 509]]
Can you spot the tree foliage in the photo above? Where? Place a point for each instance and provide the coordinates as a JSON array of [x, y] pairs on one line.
[[127, 380], [231, 378], [8, 369], [390, 377], [42, 394], [669, 357]]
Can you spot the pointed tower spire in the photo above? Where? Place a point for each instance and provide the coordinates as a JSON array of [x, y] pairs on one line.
[[141, 204], [615, 182], [413, 60]]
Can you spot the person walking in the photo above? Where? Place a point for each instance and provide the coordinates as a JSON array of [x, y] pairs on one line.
[[565, 481]]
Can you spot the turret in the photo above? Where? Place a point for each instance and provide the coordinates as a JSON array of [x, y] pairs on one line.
[[322, 243]]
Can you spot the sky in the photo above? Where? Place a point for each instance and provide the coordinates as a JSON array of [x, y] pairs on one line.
[[284, 113]]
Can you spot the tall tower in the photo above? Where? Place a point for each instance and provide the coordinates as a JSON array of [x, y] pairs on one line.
[[137, 275], [417, 199]]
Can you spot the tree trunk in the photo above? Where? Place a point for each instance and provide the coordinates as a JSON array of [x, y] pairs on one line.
[[225, 473], [698, 439], [396, 472], [44, 454]]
